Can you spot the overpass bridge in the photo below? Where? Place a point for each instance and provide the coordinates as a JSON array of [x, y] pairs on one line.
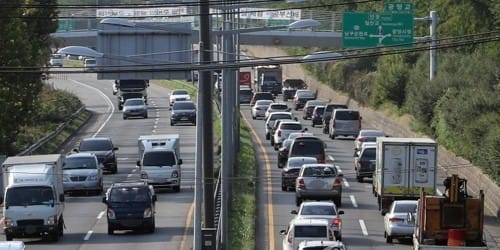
[[323, 39]]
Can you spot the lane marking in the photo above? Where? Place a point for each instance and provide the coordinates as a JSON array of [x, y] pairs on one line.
[[87, 236], [270, 210], [346, 184], [353, 200], [363, 227], [106, 98], [186, 226], [101, 214]]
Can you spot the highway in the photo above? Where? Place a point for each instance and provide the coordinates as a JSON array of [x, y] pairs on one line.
[[362, 224], [85, 217]]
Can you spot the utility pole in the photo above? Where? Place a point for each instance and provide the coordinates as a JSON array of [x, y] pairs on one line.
[[433, 20], [204, 135]]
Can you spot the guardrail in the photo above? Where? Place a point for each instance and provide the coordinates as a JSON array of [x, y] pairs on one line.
[[37, 145]]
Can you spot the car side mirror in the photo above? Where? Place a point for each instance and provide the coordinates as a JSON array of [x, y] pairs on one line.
[[283, 232], [180, 161], [104, 200], [294, 212], [61, 197], [340, 174], [115, 148], [138, 163], [75, 150], [384, 212]]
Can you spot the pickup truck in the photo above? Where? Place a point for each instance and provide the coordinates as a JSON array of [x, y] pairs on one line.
[[290, 86]]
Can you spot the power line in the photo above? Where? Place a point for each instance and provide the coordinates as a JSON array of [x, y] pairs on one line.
[[466, 40]]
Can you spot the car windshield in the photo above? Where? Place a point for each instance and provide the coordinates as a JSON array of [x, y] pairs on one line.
[[129, 194], [369, 153], [264, 103], [310, 231], [180, 92], [347, 115], [372, 134], [319, 171], [405, 208], [134, 102], [330, 108], [308, 147], [95, 145], [280, 116], [30, 195], [184, 105], [318, 210], [160, 158], [79, 163], [305, 95], [298, 162], [291, 126], [279, 106]]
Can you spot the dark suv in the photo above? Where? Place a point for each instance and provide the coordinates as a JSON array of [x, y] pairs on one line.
[[182, 112], [103, 148], [130, 206]]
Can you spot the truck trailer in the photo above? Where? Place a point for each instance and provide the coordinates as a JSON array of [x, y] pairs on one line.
[[403, 167], [126, 89], [33, 196], [268, 78], [159, 160]]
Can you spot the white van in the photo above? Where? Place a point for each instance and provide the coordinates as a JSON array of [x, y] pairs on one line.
[[345, 122], [306, 229], [89, 64]]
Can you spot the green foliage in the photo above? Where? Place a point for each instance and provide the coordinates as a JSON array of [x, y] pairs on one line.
[[242, 213], [55, 108], [390, 83], [25, 42]]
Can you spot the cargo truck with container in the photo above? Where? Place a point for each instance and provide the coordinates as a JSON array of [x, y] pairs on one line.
[[268, 78], [452, 221], [33, 197], [403, 166], [159, 160], [126, 89]]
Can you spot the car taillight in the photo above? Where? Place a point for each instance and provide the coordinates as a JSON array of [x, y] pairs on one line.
[[336, 182], [322, 161], [279, 133], [335, 222], [302, 184], [361, 139], [396, 220]]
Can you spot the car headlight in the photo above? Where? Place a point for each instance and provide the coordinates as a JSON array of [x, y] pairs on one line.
[[148, 212], [111, 214], [93, 177], [175, 174], [8, 222], [52, 220], [66, 177]]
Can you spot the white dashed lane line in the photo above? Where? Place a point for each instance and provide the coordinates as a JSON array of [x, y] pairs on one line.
[[346, 184], [363, 227], [353, 200], [87, 236]]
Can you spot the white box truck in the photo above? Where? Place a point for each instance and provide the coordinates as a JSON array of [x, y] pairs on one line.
[[159, 160], [33, 196], [403, 167]]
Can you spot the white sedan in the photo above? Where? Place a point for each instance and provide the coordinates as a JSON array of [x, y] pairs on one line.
[[260, 107], [179, 95]]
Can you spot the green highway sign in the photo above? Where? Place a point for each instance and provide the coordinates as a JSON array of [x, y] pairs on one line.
[[398, 8], [365, 30]]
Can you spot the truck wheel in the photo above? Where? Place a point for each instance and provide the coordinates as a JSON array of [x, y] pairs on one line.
[[55, 236], [8, 237], [298, 201], [268, 136], [388, 238], [338, 201], [111, 230]]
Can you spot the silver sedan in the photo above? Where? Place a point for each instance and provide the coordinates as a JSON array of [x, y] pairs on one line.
[[260, 107], [396, 222]]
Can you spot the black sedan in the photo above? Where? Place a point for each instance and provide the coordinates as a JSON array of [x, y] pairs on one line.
[[183, 112]]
